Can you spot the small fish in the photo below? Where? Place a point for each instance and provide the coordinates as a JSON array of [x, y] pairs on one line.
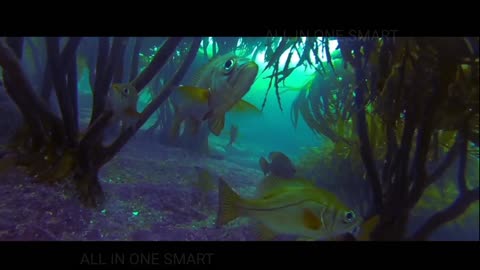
[[280, 165], [123, 102], [216, 88], [294, 207], [233, 135]]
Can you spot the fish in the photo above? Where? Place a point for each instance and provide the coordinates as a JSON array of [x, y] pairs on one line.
[[122, 100], [233, 135], [216, 88], [294, 207], [280, 165]]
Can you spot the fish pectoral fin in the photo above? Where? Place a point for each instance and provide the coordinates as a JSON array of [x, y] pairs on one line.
[[198, 94], [310, 220], [264, 233], [243, 106], [216, 124], [228, 201]]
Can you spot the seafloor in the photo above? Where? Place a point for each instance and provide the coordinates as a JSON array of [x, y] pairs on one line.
[[150, 195]]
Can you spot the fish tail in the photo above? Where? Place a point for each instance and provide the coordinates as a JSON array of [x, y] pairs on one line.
[[228, 200], [216, 124], [264, 165]]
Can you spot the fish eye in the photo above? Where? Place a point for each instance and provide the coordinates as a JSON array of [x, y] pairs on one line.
[[125, 91], [349, 217], [229, 64]]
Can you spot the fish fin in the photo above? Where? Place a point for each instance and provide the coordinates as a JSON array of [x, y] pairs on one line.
[[367, 227], [310, 220], [227, 201], [244, 106], [264, 165], [216, 124], [196, 93], [263, 233]]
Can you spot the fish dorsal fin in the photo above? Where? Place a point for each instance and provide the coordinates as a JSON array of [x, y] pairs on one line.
[[272, 184], [311, 221], [244, 106]]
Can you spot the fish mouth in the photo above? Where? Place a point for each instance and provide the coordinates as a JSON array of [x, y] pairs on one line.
[[246, 74]]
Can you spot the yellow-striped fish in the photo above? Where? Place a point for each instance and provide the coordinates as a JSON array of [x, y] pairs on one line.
[[216, 88], [294, 207]]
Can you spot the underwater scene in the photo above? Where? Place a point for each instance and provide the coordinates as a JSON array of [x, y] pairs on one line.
[[239, 138]]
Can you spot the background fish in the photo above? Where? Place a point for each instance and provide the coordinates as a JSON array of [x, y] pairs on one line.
[[280, 165], [123, 102]]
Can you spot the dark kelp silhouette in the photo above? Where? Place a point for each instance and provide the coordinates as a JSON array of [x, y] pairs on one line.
[[400, 96], [399, 111], [51, 147]]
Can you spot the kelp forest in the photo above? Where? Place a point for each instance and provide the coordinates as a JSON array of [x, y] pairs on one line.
[[399, 115]]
